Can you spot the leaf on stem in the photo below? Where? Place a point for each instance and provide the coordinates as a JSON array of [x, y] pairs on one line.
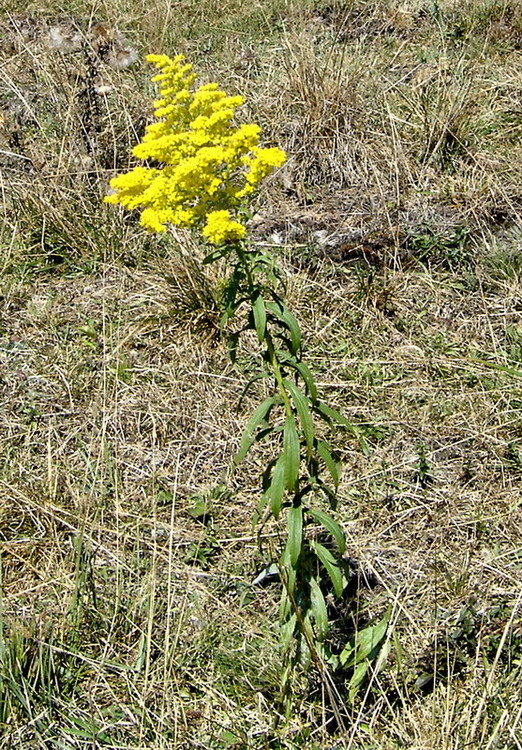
[[330, 525], [318, 606], [276, 490], [259, 313], [303, 370], [332, 567], [283, 315], [366, 645], [259, 415], [332, 416], [291, 453], [323, 449], [303, 411], [295, 533]]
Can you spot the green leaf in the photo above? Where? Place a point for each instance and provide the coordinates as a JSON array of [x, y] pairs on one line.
[[304, 371], [295, 533], [332, 465], [368, 639], [291, 452], [282, 314], [287, 572], [301, 405], [253, 423], [318, 606], [330, 525], [286, 631], [367, 643], [259, 313], [308, 378], [332, 567], [276, 489], [333, 416], [260, 506], [356, 680]]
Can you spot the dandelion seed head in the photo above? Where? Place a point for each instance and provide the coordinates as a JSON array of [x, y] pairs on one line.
[[102, 88], [65, 37], [122, 58]]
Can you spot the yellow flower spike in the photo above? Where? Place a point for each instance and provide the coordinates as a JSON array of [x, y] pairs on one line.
[[208, 164]]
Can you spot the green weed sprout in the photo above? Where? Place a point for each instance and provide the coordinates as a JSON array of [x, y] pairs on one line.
[[206, 169]]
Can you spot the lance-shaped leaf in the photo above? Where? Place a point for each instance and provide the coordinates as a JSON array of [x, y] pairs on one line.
[[304, 371], [335, 417], [291, 453], [318, 606], [276, 489], [308, 378], [295, 533], [303, 411], [332, 465], [283, 315], [286, 631], [287, 572], [332, 567], [259, 415], [356, 680], [330, 525], [259, 313], [367, 643]]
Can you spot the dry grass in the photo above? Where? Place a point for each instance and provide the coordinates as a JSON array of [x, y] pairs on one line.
[[126, 622]]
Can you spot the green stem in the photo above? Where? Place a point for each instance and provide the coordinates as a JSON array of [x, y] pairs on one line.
[[272, 355]]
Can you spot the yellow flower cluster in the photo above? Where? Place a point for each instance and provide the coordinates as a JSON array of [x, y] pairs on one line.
[[206, 165]]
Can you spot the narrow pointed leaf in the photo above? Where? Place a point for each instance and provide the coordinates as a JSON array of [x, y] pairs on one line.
[[318, 606], [285, 606], [259, 313], [285, 317], [367, 642], [253, 423], [333, 416], [295, 533], [308, 378], [287, 572], [276, 490], [303, 411], [332, 567], [261, 505], [330, 525], [331, 464], [286, 632], [356, 680], [291, 452], [370, 638], [303, 370]]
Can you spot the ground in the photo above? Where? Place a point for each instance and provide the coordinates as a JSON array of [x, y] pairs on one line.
[[128, 614]]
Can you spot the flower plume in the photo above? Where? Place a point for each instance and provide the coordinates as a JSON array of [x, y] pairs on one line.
[[205, 165]]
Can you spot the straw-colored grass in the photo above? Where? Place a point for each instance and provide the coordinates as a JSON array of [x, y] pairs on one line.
[[127, 619]]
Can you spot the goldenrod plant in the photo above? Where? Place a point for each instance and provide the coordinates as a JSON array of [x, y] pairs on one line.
[[206, 168]]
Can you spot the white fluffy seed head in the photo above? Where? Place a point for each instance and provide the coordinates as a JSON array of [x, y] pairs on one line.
[[65, 37]]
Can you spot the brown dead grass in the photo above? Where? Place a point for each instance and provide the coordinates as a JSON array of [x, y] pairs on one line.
[[119, 404]]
